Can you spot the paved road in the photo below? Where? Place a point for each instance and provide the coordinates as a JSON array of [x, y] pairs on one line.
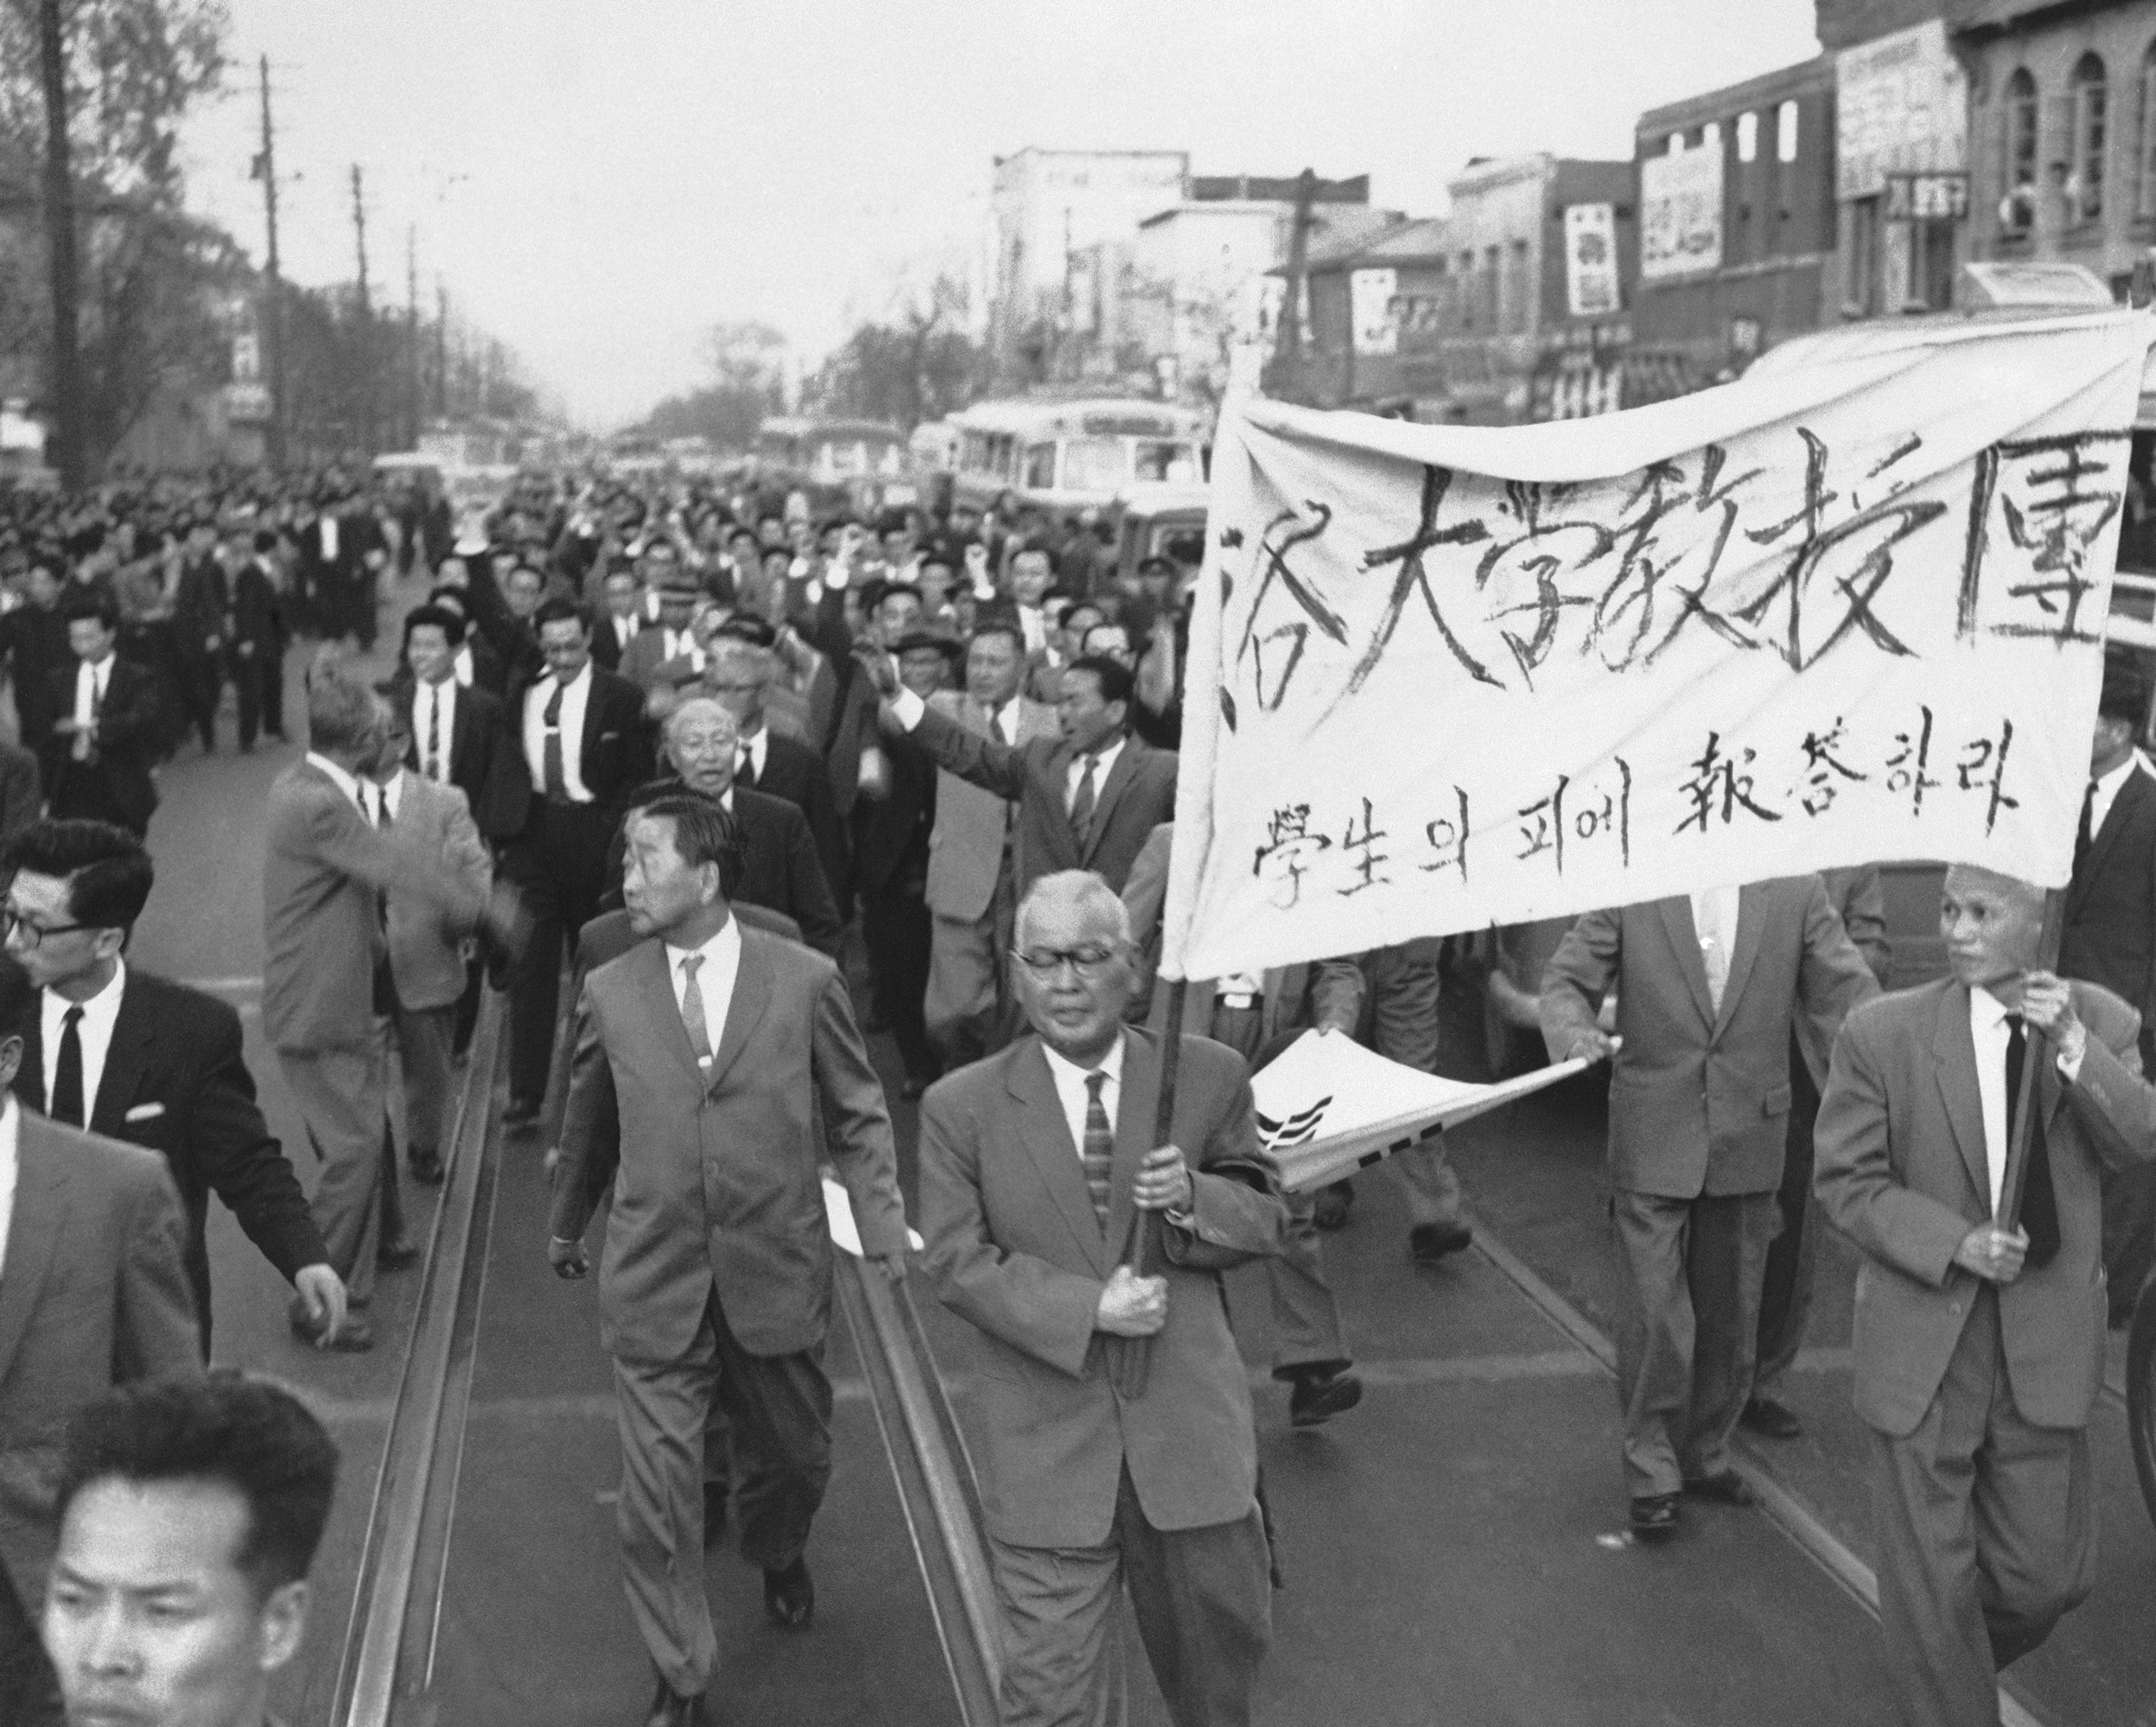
[[1453, 1548]]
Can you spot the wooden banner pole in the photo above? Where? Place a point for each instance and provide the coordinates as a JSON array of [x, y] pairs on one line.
[[2033, 1053], [1132, 1363]]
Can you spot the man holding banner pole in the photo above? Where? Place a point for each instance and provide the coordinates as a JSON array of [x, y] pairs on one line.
[[1709, 986], [1979, 1319]]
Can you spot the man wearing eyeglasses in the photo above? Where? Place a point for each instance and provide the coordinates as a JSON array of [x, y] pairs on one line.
[[115, 1049], [1035, 1165]]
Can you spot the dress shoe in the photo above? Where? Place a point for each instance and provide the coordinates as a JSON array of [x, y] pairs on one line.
[[1776, 1420], [519, 1111], [669, 1708], [1725, 1487], [1331, 1210], [789, 1598], [1654, 1517], [1429, 1243], [1317, 1397], [427, 1168], [398, 1256]]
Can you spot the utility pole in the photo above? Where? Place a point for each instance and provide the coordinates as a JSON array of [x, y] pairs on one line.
[[265, 170], [1284, 377], [441, 349], [367, 357], [411, 326], [59, 234]]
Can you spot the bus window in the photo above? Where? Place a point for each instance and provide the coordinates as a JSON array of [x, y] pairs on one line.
[[1040, 467], [1094, 465], [1186, 545], [1157, 461]]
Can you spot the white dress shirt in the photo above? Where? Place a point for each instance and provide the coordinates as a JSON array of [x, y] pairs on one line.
[[1714, 921], [329, 526], [90, 679], [715, 978], [93, 1029], [426, 697], [2107, 788], [1008, 717], [1076, 772], [10, 1122], [1989, 1031], [1033, 620], [1070, 1089], [575, 695], [463, 672], [680, 644], [344, 782], [624, 628]]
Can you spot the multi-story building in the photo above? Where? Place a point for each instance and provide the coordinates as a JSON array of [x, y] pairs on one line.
[[1737, 226]]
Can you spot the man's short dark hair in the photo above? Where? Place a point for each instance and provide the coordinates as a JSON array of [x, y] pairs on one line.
[[521, 567], [91, 603], [107, 870], [437, 617], [246, 1434], [999, 626], [704, 833], [748, 627], [558, 611], [447, 594], [1116, 683]]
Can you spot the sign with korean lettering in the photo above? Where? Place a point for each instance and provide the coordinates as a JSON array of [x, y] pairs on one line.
[[1371, 297], [1901, 105], [1680, 213], [1590, 259], [1442, 677]]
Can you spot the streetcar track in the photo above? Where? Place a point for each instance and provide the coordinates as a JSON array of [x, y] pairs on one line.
[[1785, 1508]]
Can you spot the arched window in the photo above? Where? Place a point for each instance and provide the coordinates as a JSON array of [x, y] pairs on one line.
[[1785, 132], [2017, 208], [1748, 137], [2092, 132], [2144, 164]]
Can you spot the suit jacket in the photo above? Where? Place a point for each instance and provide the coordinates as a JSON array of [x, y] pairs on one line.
[[21, 795], [719, 1187], [606, 646], [1903, 1172], [966, 848], [202, 608], [127, 737], [34, 640], [643, 662], [892, 832], [257, 617], [2110, 933], [779, 869], [1791, 952], [426, 950], [615, 754], [176, 1082], [1015, 1250], [474, 736], [325, 869], [93, 1295], [792, 770], [1138, 794]]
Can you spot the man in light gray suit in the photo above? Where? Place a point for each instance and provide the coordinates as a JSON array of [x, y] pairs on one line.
[[723, 1061], [1707, 988], [972, 882], [94, 1292], [426, 955], [328, 871]]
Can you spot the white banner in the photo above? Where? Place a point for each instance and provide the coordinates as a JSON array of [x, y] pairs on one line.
[[1442, 677]]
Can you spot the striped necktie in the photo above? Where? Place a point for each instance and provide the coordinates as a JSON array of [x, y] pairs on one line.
[[1100, 1147], [692, 1010]]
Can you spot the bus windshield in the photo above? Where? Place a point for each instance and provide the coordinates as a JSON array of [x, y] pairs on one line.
[[1159, 460], [1094, 465]]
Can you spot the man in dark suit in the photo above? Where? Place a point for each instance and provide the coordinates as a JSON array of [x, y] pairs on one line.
[[726, 1065], [1708, 987], [35, 638], [779, 866], [737, 675], [104, 733], [258, 634], [1087, 798], [93, 1293], [621, 616], [202, 627], [1034, 1166], [454, 730], [572, 740], [1977, 1346], [2110, 937], [131, 1056]]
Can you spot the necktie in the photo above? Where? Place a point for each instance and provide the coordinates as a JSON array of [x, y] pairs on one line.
[[1081, 804], [2085, 834], [67, 1073], [692, 1010], [2040, 1205], [745, 769], [1100, 1147], [557, 783], [434, 732]]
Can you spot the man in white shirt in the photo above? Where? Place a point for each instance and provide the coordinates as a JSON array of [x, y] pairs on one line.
[[1978, 1353]]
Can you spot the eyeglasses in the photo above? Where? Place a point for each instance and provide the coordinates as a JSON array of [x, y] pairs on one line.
[[1088, 962], [14, 926]]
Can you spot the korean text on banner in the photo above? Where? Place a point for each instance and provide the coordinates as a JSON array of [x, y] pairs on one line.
[[1442, 677]]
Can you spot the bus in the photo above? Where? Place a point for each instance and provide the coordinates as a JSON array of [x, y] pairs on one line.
[[861, 464], [1067, 455]]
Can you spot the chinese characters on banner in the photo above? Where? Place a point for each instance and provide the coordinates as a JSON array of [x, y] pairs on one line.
[[1442, 677]]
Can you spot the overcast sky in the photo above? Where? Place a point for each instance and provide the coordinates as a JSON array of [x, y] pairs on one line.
[[599, 183]]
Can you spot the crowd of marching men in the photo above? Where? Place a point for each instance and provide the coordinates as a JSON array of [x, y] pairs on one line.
[[674, 745]]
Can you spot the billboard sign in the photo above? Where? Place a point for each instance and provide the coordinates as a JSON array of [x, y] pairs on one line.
[[1680, 213]]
